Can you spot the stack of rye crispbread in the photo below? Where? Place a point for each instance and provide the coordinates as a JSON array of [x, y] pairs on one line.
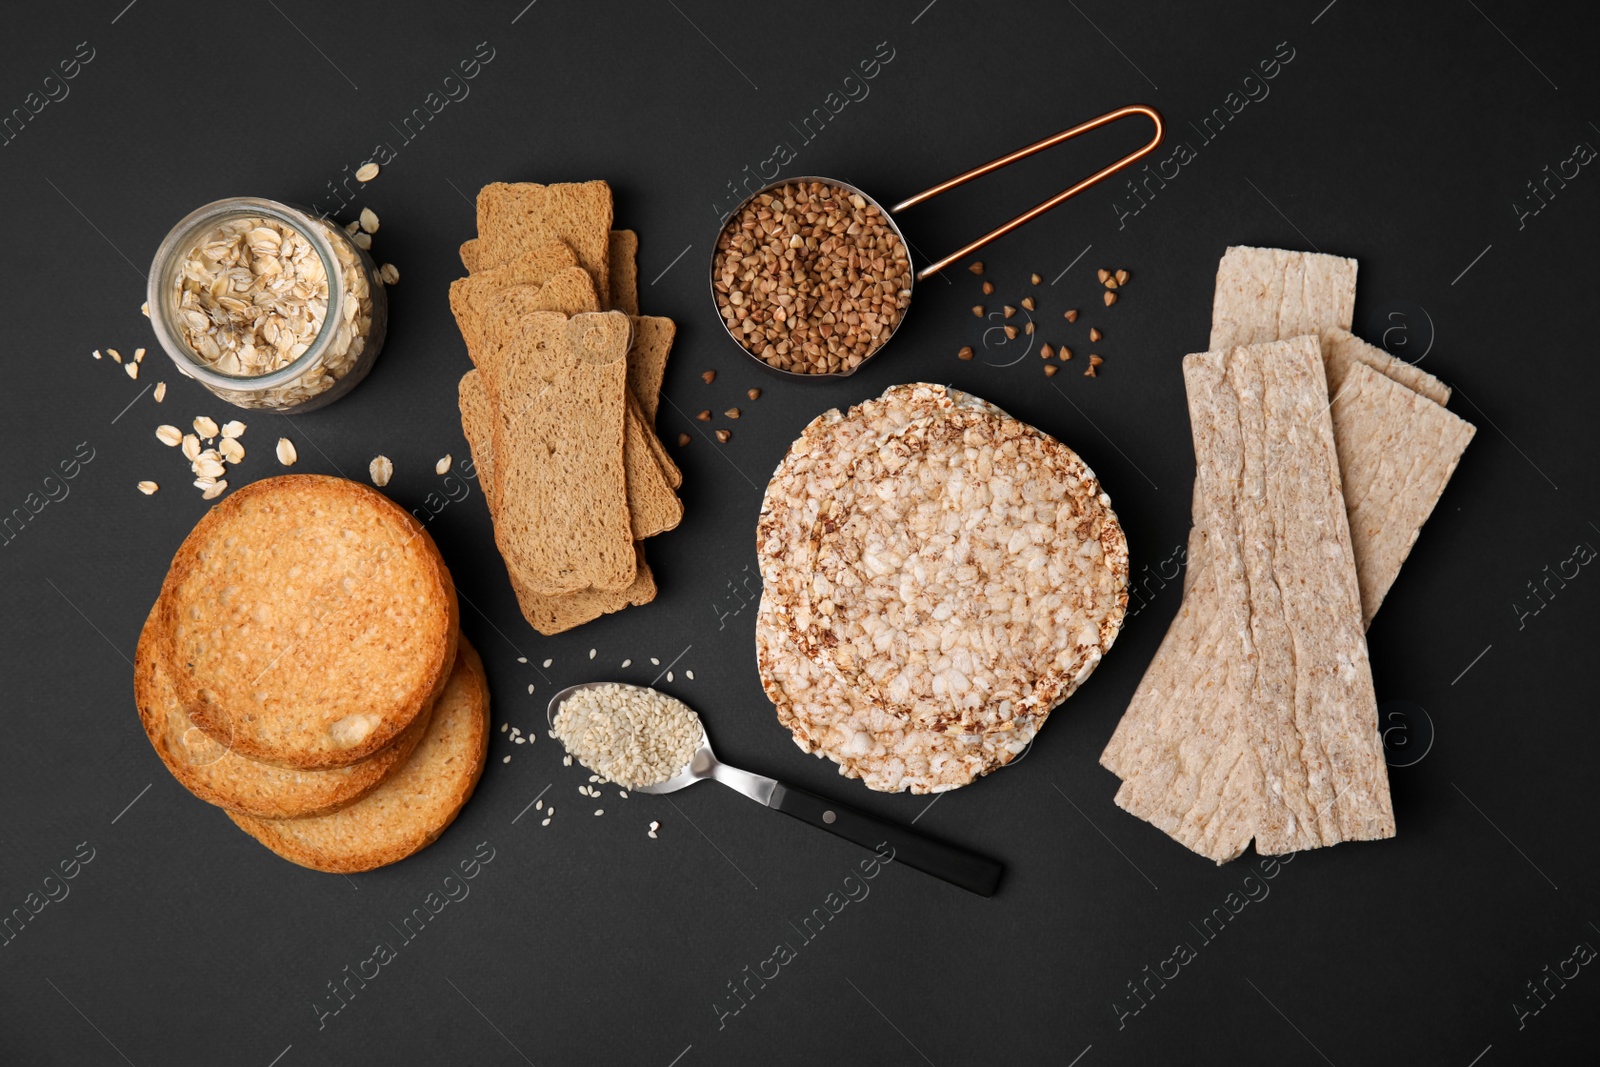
[[303, 669], [1318, 458], [559, 408]]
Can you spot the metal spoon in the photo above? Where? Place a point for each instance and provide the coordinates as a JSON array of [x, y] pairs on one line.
[[955, 865]]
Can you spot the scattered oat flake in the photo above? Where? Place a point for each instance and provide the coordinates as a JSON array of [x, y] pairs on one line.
[[170, 436], [148, 488], [369, 220], [233, 428], [191, 447], [362, 241], [138, 355], [443, 466], [144, 309], [381, 470], [132, 369], [216, 490], [389, 273], [366, 172], [114, 354], [286, 452], [205, 427], [161, 392], [231, 450]]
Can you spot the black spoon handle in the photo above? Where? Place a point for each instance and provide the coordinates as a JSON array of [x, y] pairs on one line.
[[970, 871]]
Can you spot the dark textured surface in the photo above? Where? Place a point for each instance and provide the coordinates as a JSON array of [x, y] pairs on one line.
[[1402, 135]]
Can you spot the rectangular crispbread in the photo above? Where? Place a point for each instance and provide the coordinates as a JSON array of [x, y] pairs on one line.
[[624, 267], [1268, 294], [647, 363], [1397, 451], [513, 218], [469, 255], [471, 296], [1257, 717], [559, 386], [652, 503], [547, 614], [1342, 350]]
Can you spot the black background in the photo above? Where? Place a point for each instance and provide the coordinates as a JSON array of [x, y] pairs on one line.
[[1400, 134]]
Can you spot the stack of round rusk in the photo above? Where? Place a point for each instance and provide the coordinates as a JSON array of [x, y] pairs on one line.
[[303, 669], [937, 576]]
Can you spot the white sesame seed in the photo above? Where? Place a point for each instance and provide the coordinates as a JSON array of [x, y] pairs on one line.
[[530, 688], [504, 726], [623, 793], [627, 663], [599, 811], [97, 354], [592, 653], [506, 760], [443, 467], [654, 662], [629, 736], [520, 740], [522, 659], [669, 676], [594, 778], [652, 835], [689, 675], [654, 825], [566, 761], [538, 805], [545, 823], [547, 663], [552, 810]]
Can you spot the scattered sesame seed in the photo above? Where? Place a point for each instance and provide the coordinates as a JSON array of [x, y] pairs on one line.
[[538, 805], [599, 811], [566, 761], [594, 778], [592, 653], [545, 823], [504, 726], [506, 760], [627, 663], [530, 688], [654, 662], [520, 740], [651, 834], [522, 659], [97, 354], [654, 825], [689, 675], [669, 676], [548, 662], [623, 793]]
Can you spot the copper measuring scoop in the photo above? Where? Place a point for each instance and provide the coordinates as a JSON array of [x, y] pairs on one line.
[[945, 186]]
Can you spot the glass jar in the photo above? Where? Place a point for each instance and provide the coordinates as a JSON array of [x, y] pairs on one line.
[[263, 326]]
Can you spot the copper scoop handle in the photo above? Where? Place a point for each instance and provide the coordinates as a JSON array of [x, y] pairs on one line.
[[1038, 146]]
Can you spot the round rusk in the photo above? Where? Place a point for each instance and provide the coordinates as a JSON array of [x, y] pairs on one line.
[[412, 807], [307, 621], [218, 775]]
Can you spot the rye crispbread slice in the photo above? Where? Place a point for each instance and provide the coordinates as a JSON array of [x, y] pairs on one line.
[[307, 621], [653, 506], [647, 363], [218, 775], [513, 218], [1268, 294], [553, 263], [469, 255], [547, 614], [624, 266], [1342, 350], [560, 387], [1397, 451], [409, 811], [1257, 719]]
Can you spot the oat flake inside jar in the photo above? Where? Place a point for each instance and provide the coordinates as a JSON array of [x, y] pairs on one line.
[[267, 305]]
